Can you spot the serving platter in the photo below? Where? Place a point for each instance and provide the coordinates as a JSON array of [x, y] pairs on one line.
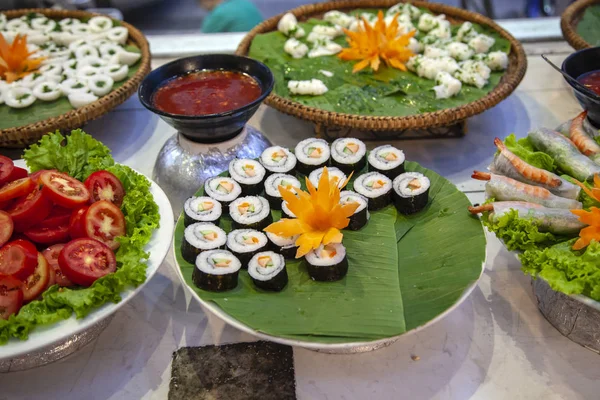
[[569, 22], [44, 337]]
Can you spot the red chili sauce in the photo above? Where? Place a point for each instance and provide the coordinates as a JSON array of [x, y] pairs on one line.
[[206, 92], [591, 80]]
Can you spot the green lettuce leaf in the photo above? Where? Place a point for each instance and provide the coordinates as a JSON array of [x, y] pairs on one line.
[[524, 149]]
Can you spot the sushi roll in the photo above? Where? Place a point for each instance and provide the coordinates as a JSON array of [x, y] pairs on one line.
[[334, 173], [312, 154], [376, 187], [225, 190], [245, 243], [268, 272], [216, 271], [201, 209], [248, 173], [285, 211], [411, 192], [284, 245], [272, 188], [327, 263], [200, 237], [277, 159], [250, 212], [361, 214], [387, 160], [348, 155]]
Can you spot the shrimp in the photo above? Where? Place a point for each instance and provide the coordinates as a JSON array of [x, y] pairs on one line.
[[580, 138]]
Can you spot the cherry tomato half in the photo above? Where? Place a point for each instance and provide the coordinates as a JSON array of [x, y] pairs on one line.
[[104, 221], [6, 227], [63, 190], [18, 258], [104, 185], [51, 254], [77, 223], [50, 235], [36, 175], [58, 216], [14, 189], [11, 296], [28, 210], [17, 173], [85, 260], [6, 168], [37, 282]]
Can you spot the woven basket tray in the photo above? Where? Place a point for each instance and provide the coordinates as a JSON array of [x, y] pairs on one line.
[[23, 136], [569, 20], [508, 83]]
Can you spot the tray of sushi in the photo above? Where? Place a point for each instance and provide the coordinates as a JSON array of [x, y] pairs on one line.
[[319, 246]]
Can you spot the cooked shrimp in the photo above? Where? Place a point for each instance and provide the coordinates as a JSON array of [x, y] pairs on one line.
[[580, 138]]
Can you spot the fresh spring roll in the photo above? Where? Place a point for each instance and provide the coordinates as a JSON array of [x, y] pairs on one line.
[[565, 127], [508, 164], [580, 138], [559, 221], [567, 156], [503, 188]]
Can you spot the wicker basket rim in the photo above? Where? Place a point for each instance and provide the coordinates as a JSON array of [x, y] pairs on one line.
[[570, 19]]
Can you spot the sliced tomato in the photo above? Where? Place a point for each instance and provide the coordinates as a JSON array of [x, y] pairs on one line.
[[17, 173], [50, 235], [83, 261], [14, 189], [104, 185], [37, 282], [51, 254], [11, 296], [28, 210], [6, 227], [63, 190], [18, 258], [36, 175], [77, 223], [6, 168], [58, 216], [6, 204], [104, 221]]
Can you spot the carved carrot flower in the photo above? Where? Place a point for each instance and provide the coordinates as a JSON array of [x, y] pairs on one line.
[[15, 61], [591, 232], [594, 192], [320, 216]]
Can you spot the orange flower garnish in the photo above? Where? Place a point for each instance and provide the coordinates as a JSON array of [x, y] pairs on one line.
[[371, 44], [594, 193], [14, 59], [591, 232], [320, 216]]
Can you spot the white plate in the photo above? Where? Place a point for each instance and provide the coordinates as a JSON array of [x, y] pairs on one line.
[[158, 248]]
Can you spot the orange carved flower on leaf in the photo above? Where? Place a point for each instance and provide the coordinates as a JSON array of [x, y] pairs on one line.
[[591, 232], [15, 61]]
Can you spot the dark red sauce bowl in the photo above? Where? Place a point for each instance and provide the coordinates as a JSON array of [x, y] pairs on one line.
[[577, 64], [209, 128]]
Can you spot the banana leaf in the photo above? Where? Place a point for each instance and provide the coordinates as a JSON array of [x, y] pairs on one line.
[[403, 272], [589, 26]]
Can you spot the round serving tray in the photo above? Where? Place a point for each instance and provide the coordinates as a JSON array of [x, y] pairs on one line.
[[22, 136], [509, 82]]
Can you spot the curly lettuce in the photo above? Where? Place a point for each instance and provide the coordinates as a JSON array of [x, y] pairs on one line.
[[524, 149], [141, 216]]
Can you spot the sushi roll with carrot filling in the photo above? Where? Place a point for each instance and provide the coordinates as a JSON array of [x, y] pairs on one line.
[[200, 237], [245, 243], [312, 154], [376, 187], [250, 212], [411, 192], [216, 271], [201, 209], [277, 159], [284, 245], [225, 190], [348, 155], [327, 263], [272, 188], [334, 173], [387, 160], [248, 173], [268, 272], [361, 215]]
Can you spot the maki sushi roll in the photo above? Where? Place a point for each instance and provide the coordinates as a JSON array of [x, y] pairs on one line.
[[411, 192], [377, 188], [348, 155], [387, 160], [200, 237], [248, 173], [334, 173], [216, 271], [312, 154], [277, 159], [361, 214], [272, 188], [245, 243], [284, 245], [201, 209], [223, 189], [268, 272], [285, 210], [250, 212], [327, 263]]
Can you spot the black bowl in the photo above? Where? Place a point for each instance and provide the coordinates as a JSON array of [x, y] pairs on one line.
[[209, 128], [577, 64]]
